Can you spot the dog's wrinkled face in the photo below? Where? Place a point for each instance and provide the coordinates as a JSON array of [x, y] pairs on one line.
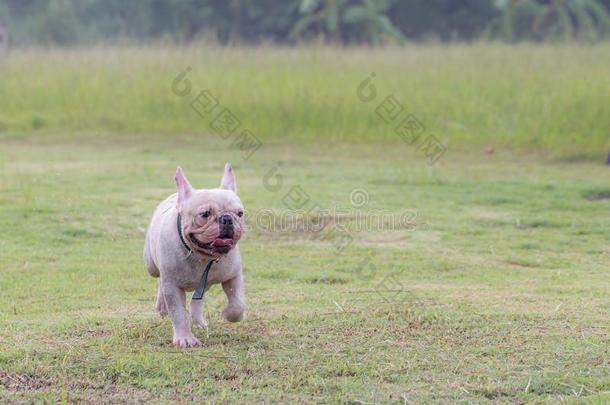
[[212, 220]]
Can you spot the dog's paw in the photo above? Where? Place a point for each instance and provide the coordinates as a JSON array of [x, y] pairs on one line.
[[234, 313], [186, 341]]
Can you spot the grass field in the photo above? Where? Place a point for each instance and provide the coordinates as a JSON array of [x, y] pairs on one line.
[[554, 99], [504, 278], [496, 290]]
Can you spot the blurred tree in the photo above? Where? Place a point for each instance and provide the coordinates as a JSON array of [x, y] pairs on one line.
[[267, 20], [551, 20], [69, 22], [443, 19], [60, 24], [184, 20], [3, 38], [346, 21]]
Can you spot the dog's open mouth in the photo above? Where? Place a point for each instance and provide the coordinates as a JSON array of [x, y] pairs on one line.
[[219, 245], [222, 242]]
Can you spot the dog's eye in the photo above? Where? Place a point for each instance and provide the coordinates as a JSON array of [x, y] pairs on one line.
[[240, 214], [205, 214]]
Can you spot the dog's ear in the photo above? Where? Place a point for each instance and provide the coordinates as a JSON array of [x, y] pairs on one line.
[[228, 179], [184, 187]]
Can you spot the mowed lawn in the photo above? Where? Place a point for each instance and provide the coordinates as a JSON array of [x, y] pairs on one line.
[[497, 290]]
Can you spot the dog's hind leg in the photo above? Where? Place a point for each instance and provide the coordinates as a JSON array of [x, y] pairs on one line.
[[160, 305], [149, 262], [197, 316]]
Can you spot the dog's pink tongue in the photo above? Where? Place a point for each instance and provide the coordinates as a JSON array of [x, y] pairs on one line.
[[223, 242]]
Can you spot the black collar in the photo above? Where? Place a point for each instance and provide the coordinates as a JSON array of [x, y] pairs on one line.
[[179, 227], [198, 294]]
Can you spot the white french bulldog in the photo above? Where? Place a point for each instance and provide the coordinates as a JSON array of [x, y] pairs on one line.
[[189, 230]]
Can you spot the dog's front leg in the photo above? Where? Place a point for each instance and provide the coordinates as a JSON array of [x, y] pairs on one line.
[[234, 288], [175, 302]]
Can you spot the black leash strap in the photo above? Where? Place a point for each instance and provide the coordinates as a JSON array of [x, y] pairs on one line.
[[198, 294]]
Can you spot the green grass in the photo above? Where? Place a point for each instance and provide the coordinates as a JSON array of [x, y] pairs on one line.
[[552, 99], [499, 281], [503, 279]]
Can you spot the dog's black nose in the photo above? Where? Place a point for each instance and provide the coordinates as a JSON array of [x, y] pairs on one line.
[[226, 220], [226, 226]]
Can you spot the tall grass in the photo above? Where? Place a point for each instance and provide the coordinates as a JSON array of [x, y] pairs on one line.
[[548, 98]]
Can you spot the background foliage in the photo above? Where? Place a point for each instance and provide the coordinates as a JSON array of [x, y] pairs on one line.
[[68, 22]]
